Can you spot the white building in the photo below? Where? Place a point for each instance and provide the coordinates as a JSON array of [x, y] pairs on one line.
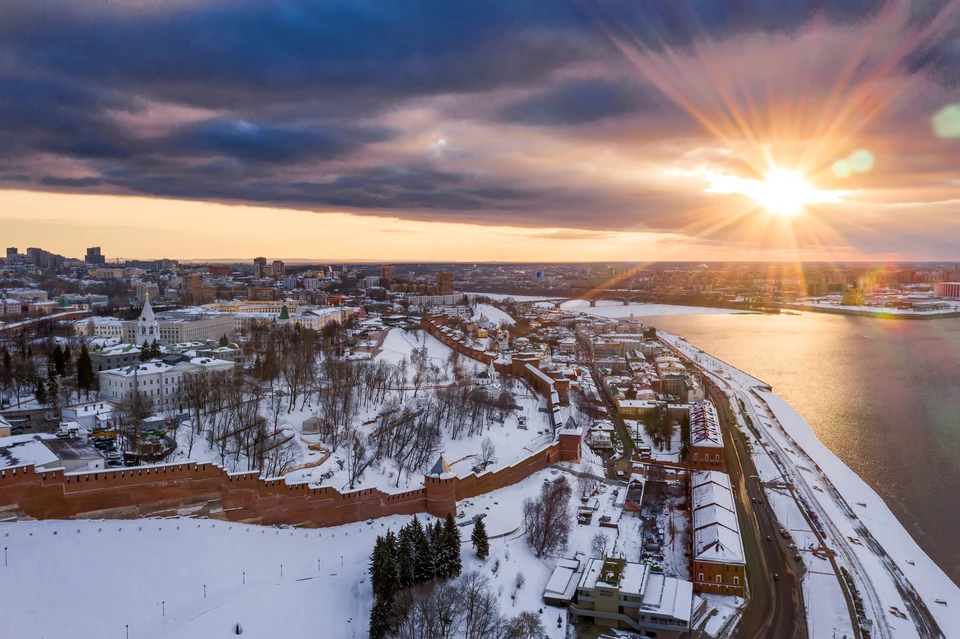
[[99, 327], [177, 327], [621, 594], [948, 289], [163, 384], [148, 328]]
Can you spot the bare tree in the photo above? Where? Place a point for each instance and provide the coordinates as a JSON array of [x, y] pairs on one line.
[[598, 546], [488, 453], [586, 485], [358, 457], [547, 518]]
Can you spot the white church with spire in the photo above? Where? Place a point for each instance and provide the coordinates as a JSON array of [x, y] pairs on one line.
[[148, 327]]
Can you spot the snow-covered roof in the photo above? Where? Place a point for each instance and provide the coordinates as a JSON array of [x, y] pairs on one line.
[[23, 450], [716, 530], [704, 427], [563, 582], [150, 366], [716, 543], [669, 596]]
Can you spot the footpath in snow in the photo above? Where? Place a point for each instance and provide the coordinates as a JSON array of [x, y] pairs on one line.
[[904, 593]]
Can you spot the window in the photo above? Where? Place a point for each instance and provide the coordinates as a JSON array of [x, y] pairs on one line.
[[718, 579], [700, 577], [736, 581]]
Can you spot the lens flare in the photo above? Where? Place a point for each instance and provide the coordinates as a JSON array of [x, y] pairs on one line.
[[781, 192], [946, 122]]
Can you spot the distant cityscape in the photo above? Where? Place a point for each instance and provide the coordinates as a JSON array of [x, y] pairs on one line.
[[39, 283]]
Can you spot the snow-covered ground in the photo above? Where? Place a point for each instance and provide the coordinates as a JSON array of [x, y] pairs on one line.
[[641, 438], [399, 344], [494, 314], [899, 584], [516, 298], [616, 310], [184, 578]]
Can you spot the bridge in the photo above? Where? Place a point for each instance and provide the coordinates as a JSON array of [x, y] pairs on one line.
[[627, 297]]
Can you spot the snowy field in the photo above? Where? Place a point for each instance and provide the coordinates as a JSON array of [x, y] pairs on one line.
[[517, 298], [616, 310], [899, 583], [494, 314], [399, 344], [198, 578]]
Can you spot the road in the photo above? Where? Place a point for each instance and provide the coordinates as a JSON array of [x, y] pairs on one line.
[[775, 607]]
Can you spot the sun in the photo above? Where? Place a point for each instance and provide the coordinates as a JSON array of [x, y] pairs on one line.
[[781, 192]]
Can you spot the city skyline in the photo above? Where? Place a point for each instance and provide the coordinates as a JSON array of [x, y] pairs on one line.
[[558, 132]]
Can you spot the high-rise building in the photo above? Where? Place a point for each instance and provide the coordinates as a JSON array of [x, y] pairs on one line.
[[94, 256], [12, 252], [388, 273], [444, 283], [145, 290], [279, 269], [259, 264]]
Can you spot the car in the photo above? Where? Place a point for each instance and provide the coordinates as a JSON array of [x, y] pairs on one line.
[[16, 430], [791, 545], [776, 576], [797, 557], [114, 462], [769, 538]]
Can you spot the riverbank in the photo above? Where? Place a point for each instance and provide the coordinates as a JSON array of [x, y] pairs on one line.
[[899, 586], [641, 299], [876, 313]]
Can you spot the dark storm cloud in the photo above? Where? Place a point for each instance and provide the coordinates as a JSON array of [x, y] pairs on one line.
[[289, 102], [278, 144], [76, 183], [576, 102]]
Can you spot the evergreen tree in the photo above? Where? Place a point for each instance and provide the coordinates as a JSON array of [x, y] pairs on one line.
[[481, 544], [40, 392], [6, 370], [58, 360], [406, 553], [380, 616], [53, 389], [424, 562], [441, 551], [85, 377], [451, 541], [67, 355], [383, 570]]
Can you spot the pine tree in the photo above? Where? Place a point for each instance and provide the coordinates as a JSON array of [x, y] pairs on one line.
[[406, 554], [481, 544], [380, 616], [57, 359], [424, 562], [40, 392], [383, 570], [85, 378], [441, 550], [451, 540]]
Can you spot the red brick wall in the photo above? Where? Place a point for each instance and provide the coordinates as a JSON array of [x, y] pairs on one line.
[[141, 491]]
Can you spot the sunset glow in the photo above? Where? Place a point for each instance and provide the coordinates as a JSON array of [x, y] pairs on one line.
[[781, 192]]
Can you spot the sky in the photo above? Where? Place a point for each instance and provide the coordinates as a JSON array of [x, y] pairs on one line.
[[481, 130]]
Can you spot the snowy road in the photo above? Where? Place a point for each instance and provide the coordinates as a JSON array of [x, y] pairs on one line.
[[898, 583]]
